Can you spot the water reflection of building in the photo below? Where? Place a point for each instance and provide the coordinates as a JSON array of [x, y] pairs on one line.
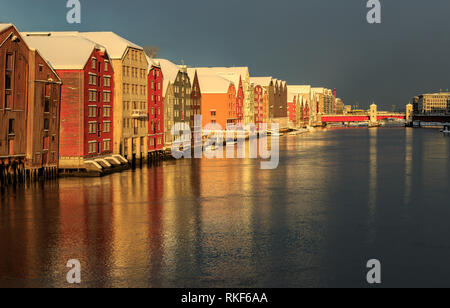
[[408, 165], [85, 228]]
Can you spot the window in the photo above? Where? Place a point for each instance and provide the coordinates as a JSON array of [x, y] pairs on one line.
[[92, 127], [48, 90], [92, 111], [107, 81], [47, 105], [8, 101], [107, 127], [9, 61], [46, 124], [92, 95], [92, 147], [106, 97], [106, 112], [8, 82], [92, 79], [11, 127], [106, 145], [94, 63], [106, 66]]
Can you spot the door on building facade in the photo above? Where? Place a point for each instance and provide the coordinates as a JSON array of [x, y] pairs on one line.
[[44, 158], [45, 148], [11, 147]]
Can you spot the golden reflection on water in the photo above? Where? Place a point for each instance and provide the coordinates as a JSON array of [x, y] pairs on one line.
[[217, 222], [408, 165], [373, 178]]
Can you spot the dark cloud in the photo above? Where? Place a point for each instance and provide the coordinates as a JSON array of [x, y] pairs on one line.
[[322, 42]]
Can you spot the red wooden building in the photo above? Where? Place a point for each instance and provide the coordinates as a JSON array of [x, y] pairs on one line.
[[291, 109], [86, 133], [29, 110], [155, 109], [258, 105]]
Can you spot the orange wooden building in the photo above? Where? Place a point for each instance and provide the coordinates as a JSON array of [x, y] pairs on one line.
[[218, 99]]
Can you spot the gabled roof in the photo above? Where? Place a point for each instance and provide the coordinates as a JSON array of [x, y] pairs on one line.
[[299, 89], [211, 84], [116, 45], [261, 81], [191, 74], [170, 72], [243, 71], [5, 26], [63, 52], [232, 74], [151, 62]]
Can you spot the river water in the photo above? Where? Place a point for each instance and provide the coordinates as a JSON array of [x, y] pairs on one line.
[[337, 199]]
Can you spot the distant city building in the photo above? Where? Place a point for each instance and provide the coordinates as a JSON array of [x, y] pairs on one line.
[[281, 97], [347, 109], [258, 97], [339, 106], [268, 96], [325, 99], [292, 108], [433, 103]]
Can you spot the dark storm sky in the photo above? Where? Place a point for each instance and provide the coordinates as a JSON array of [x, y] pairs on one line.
[[319, 42]]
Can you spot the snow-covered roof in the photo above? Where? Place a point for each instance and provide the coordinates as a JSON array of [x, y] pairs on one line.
[[170, 72], [304, 89], [151, 62], [261, 81], [116, 45], [242, 71], [226, 72], [63, 52], [211, 83], [5, 26], [233, 74]]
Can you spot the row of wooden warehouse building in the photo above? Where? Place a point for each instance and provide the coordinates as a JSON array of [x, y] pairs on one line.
[[77, 102]]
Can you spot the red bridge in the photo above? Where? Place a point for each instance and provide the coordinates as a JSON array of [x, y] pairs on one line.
[[359, 118]]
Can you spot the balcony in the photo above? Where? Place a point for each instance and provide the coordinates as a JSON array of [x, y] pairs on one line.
[[139, 114]]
